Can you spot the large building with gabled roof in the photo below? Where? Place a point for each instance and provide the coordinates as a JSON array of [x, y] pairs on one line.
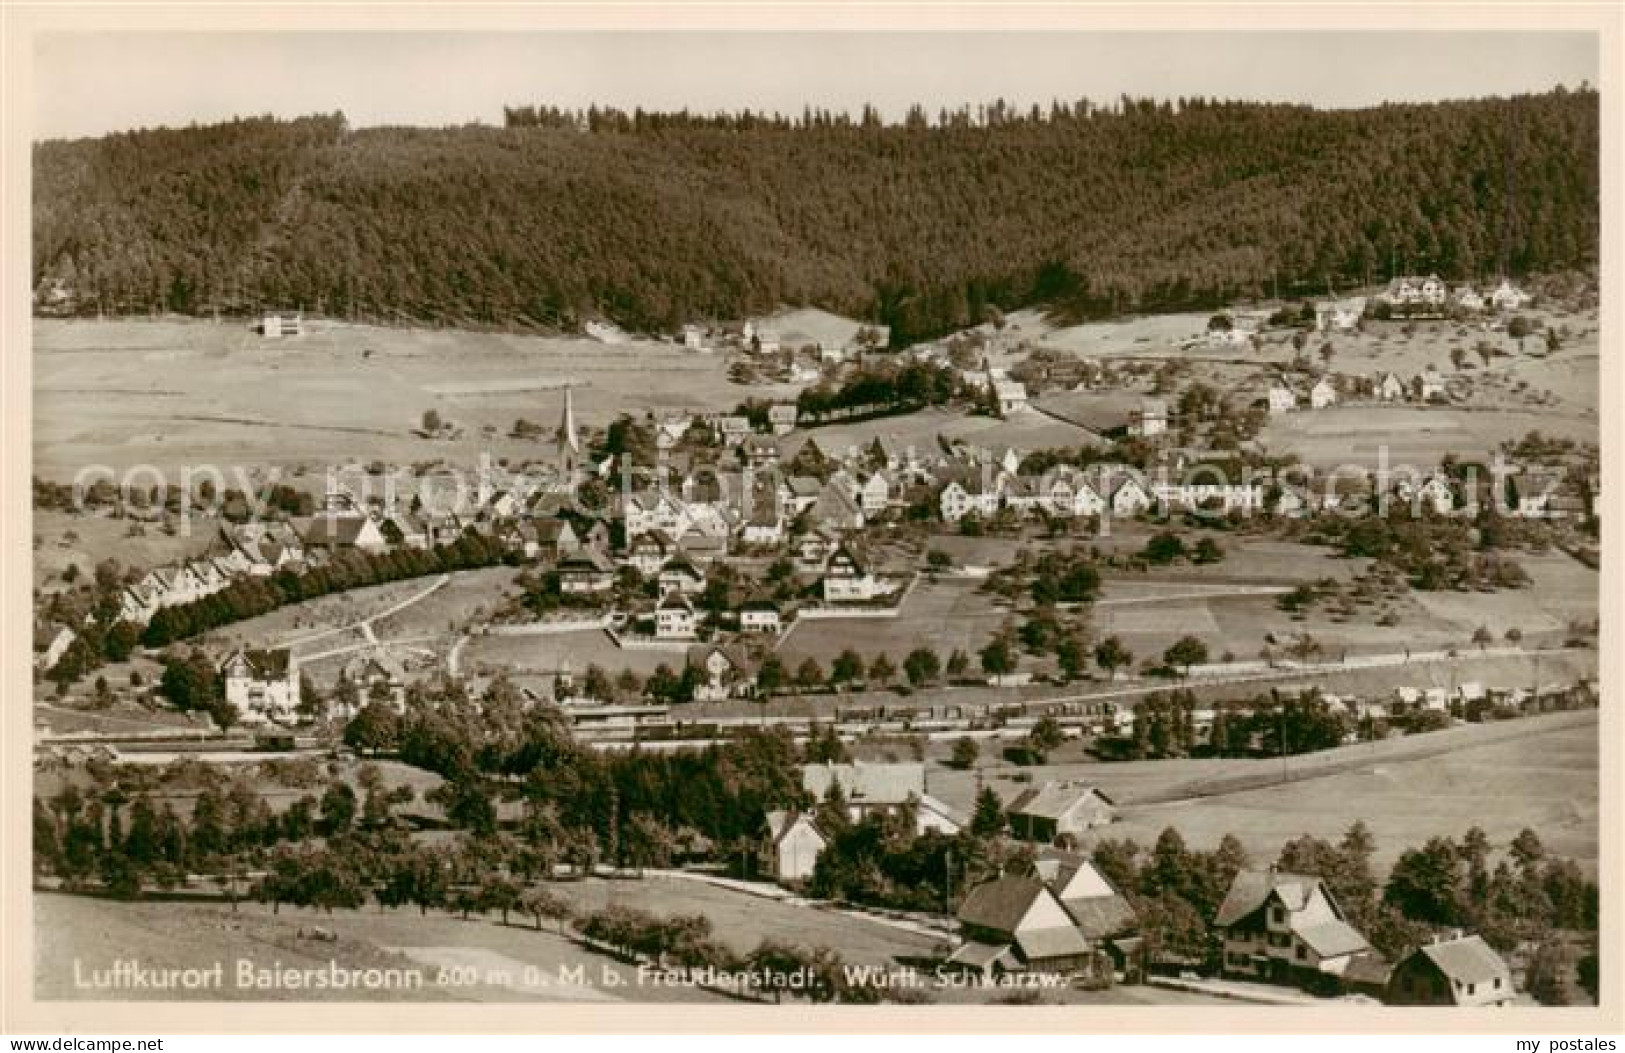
[[1285, 928]]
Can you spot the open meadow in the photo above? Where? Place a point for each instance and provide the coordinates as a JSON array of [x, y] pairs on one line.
[[179, 392], [1540, 772]]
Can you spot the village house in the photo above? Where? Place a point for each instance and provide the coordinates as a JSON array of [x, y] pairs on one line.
[[725, 672], [1150, 420], [847, 579], [760, 616], [274, 326], [1529, 493], [1057, 810], [1282, 399], [1435, 493], [1451, 970], [1508, 297], [682, 576], [405, 530], [1388, 388], [588, 571], [781, 417], [555, 538], [1468, 299], [1323, 394], [377, 676], [761, 452], [765, 525], [793, 846], [261, 685], [874, 494], [803, 373], [675, 618], [1067, 493], [333, 531], [266, 547], [970, 491], [649, 551], [766, 341], [868, 789], [798, 493], [1011, 396], [51, 642], [1339, 315], [1428, 386], [731, 429], [693, 337], [813, 549], [1126, 494], [836, 509], [1285, 928], [1218, 497], [1015, 924], [655, 510], [1411, 291], [1101, 912]]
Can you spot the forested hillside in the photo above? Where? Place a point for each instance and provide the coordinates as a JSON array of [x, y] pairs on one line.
[[652, 220]]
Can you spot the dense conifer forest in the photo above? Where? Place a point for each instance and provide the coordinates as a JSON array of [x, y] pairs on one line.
[[651, 220]]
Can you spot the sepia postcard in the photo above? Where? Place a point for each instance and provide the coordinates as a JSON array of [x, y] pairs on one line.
[[1072, 519]]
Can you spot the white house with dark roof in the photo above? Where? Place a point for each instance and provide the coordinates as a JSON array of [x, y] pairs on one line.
[[726, 672], [1284, 928], [261, 685], [587, 571], [848, 579], [1456, 969], [761, 616], [675, 618]]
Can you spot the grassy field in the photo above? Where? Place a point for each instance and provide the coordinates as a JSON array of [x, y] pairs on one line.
[[83, 541], [943, 615], [1413, 436], [500, 963], [175, 392], [1540, 772], [95, 933]]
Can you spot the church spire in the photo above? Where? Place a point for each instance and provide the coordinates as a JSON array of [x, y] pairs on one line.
[[568, 436]]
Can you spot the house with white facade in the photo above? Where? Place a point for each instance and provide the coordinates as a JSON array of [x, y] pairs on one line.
[[261, 686]]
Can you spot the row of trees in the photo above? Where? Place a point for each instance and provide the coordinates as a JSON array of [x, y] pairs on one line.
[[346, 569]]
